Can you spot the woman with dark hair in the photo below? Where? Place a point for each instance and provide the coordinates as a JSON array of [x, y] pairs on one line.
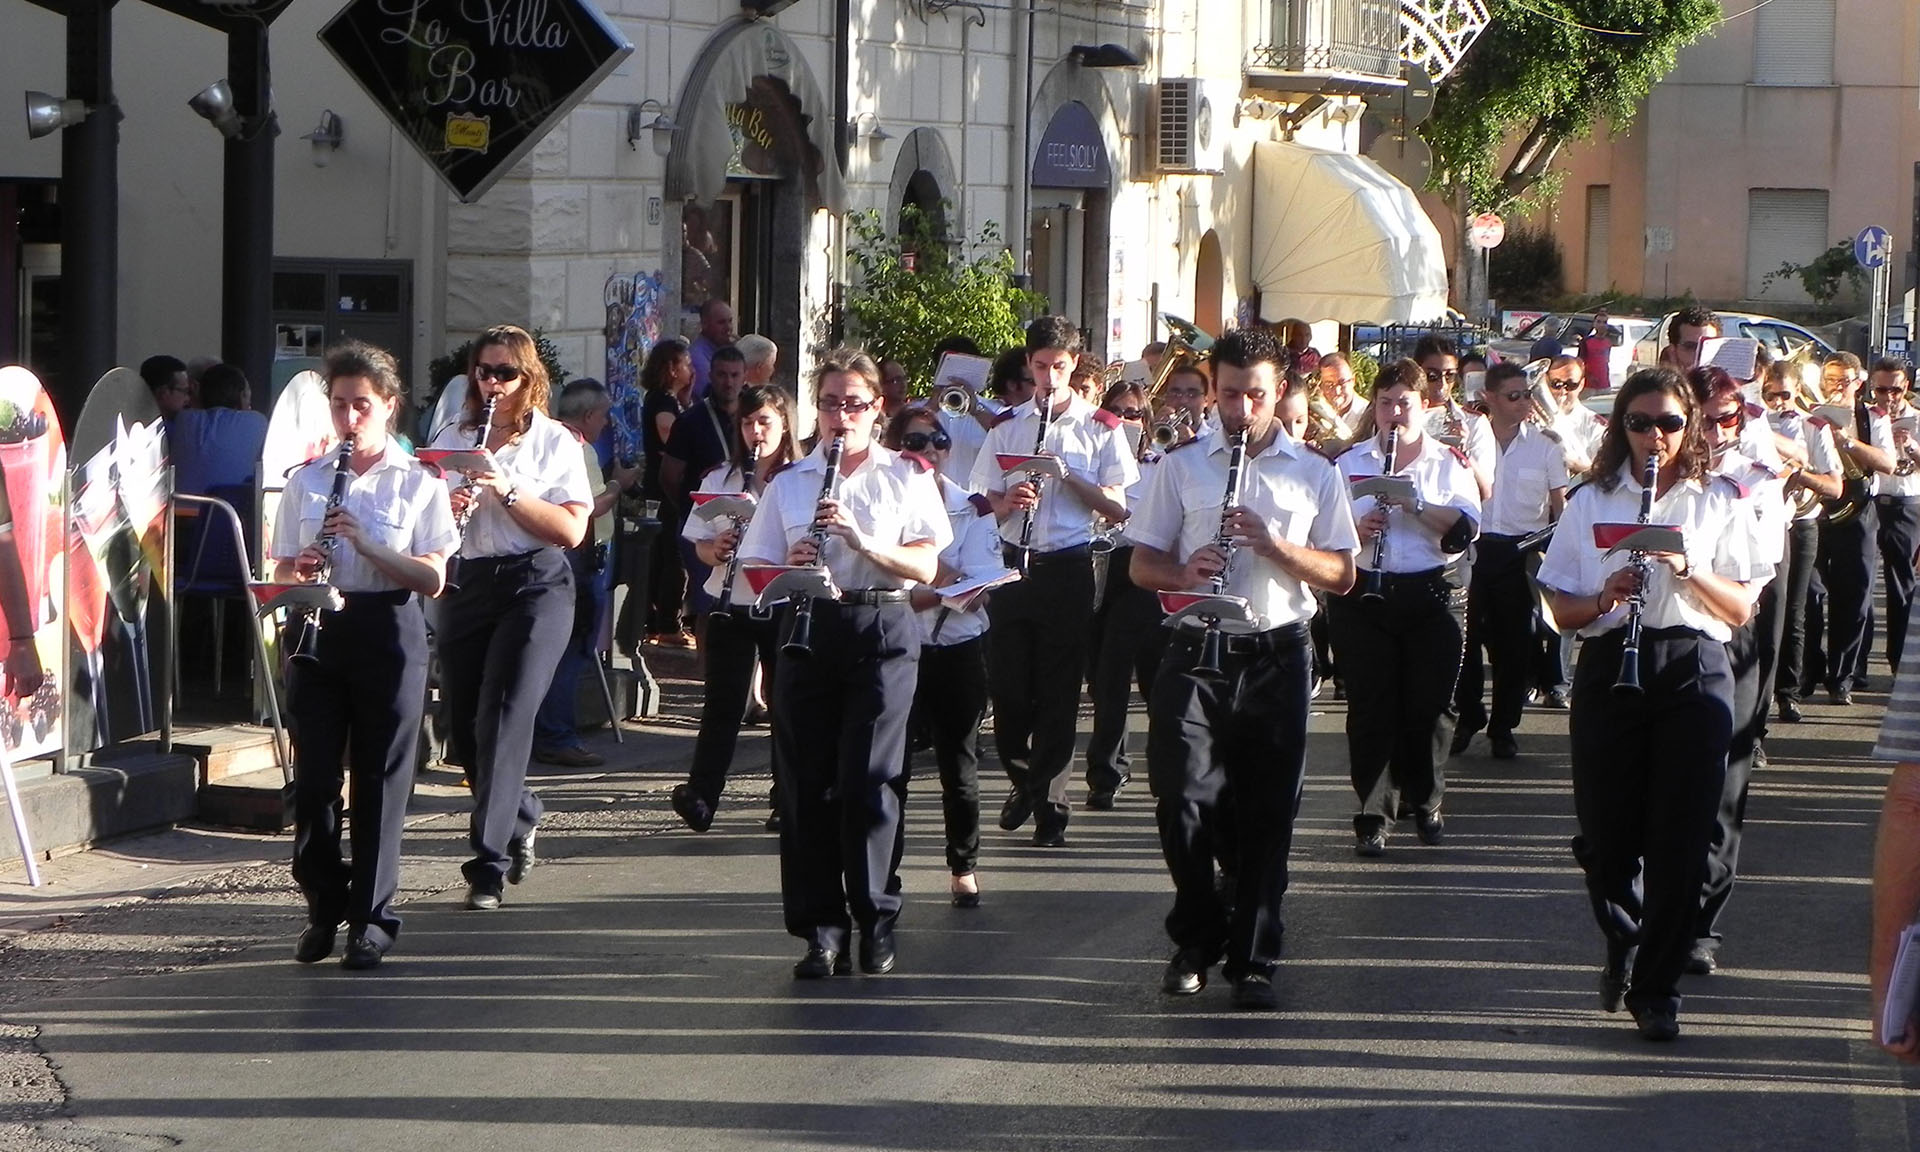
[[504, 627], [744, 637], [666, 383], [1652, 708], [382, 546]]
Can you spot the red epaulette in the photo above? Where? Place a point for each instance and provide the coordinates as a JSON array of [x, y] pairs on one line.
[[920, 462], [781, 468], [980, 503], [1460, 454], [1600, 417], [1006, 414], [1102, 416], [1740, 491], [577, 438]]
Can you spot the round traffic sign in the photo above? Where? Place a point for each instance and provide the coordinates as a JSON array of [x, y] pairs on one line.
[[1487, 230], [1872, 247]]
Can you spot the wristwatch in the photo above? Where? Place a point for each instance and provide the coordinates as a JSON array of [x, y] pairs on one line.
[[1419, 507], [511, 498]]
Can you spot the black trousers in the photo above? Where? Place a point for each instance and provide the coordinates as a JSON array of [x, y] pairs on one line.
[[1127, 644], [1035, 664], [1647, 777], [1227, 757], [1847, 554], [1399, 657], [840, 737], [1499, 618], [949, 704], [503, 630], [359, 702], [734, 643], [1899, 535], [1752, 655], [1793, 581]]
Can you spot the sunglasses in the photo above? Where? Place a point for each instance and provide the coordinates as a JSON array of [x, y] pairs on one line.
[[503, 373], [1564, 385], [1130, 413], [921, 441], [1435, 375], [1770, 397], [1667, 422], [1725, 419], [1515, 397], [850, 407]]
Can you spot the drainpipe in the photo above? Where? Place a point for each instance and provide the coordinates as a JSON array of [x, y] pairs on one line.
[[1022, 131]]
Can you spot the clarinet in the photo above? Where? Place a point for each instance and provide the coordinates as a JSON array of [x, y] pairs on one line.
[[1629, 682], [800, 639], [725, 607], [1210, 641], [307, 647], [1039, 446], [1375, 588], [479, 444]]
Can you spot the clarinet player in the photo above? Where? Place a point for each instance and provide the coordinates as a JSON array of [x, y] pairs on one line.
[[1226, 754], [505, 625], [1648, 764], [877, 524], [360, 698]]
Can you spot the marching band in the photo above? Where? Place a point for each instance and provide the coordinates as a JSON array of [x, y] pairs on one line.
[[1196, 535]]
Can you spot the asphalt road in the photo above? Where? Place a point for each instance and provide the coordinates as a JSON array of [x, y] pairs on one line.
[[635, 993]]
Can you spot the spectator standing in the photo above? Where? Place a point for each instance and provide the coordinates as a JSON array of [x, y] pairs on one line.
[[1596, 353], [666, 382], [716, 332]]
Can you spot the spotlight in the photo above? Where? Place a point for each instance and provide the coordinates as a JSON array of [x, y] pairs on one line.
[[1104, 56], [48, 114], [214, 104]]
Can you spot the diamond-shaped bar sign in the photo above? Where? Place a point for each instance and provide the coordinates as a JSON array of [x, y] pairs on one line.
[[474, 84]]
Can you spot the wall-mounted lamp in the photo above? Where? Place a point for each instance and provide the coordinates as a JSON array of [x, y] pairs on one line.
[[868, 128], [48, 114], [661, 125], [327, 137], [1104, 56], [214, 104]]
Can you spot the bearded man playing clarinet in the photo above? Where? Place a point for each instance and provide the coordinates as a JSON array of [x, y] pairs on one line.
[[1653, 691], [1227, 722]]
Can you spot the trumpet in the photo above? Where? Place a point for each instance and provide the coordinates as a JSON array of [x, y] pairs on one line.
[[956, 401], [461, 520], [1375, 589], [1169, 431], [306, 648], [725, 606], [800, 638], [1208, 666], [1628, 683]]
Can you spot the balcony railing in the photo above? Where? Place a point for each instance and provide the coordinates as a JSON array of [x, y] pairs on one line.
[[1325, 45]]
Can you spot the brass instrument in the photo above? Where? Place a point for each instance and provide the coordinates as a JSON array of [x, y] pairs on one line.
[[1799, 373], [1208, 666], [1324, 426], [1179, 354], [461, 520], [1376, 588], [956, 402], [800, 638], [1170, 431], [725, 606], [1628, 683], [306, 648]]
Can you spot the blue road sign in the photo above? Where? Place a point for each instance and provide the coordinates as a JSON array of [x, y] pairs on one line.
[[1872, 247]]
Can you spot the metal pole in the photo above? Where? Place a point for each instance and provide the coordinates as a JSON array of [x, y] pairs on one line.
[[1019, 228], [89, 212], [246, 336]]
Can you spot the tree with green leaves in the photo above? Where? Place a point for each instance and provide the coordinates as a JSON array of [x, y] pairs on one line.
[[1543, 74], [911, 291]]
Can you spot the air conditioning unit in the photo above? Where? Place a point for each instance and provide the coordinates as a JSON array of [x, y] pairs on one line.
[[1193, 119]]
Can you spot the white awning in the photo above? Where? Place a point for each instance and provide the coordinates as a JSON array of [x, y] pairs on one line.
[[1336, 238]]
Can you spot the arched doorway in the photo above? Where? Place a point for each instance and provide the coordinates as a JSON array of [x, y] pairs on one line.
[[924, 178], [1209, 284]]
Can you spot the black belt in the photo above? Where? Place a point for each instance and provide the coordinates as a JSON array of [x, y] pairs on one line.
[[508, 558], [872, 597], [1252, 643], [1010, 554], [1674, 632], [393, 598], [1429, 576]]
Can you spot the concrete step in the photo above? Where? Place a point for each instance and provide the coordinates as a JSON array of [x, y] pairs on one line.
[[227, 751], [258, 801], [134, 788]]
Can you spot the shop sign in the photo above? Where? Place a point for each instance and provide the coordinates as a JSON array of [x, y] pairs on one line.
[[474, 84], [1072, 153]]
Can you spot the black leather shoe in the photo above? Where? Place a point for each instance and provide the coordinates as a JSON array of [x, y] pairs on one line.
[[1504, 746], [1558, 699], [1432, 828], [1660, 1023], [1015, 810], [1462, 736], [1045, 837], [361, 954], [1790, 710], [1613, 989], [1840, 695], [1254, 992], [964, 897], [1701, 960], [482, 899], [1101, 799], [1185, 974], [820, 964], [1371, 844], [694, 812], [520, 853], [773, 822], [316, 943], [877, 953]]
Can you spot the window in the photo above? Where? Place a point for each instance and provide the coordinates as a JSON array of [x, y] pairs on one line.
[[1599, 237], [1793, 43], [1784, 226]]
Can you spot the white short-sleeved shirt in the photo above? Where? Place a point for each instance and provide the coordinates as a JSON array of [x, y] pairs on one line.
[[1762, 503], [967, 437], [399, 501], [1532, 465], [973, 551], [1706, 516], [1477, 433], [544, 462], [1581, 430], [892, 497], [1293, 487], [1086, 439], [1440, 479], [1904, 486], [1823, 458], [725, 478]]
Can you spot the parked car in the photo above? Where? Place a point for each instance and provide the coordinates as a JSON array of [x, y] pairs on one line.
[[1782, 337], [1569, 328]]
